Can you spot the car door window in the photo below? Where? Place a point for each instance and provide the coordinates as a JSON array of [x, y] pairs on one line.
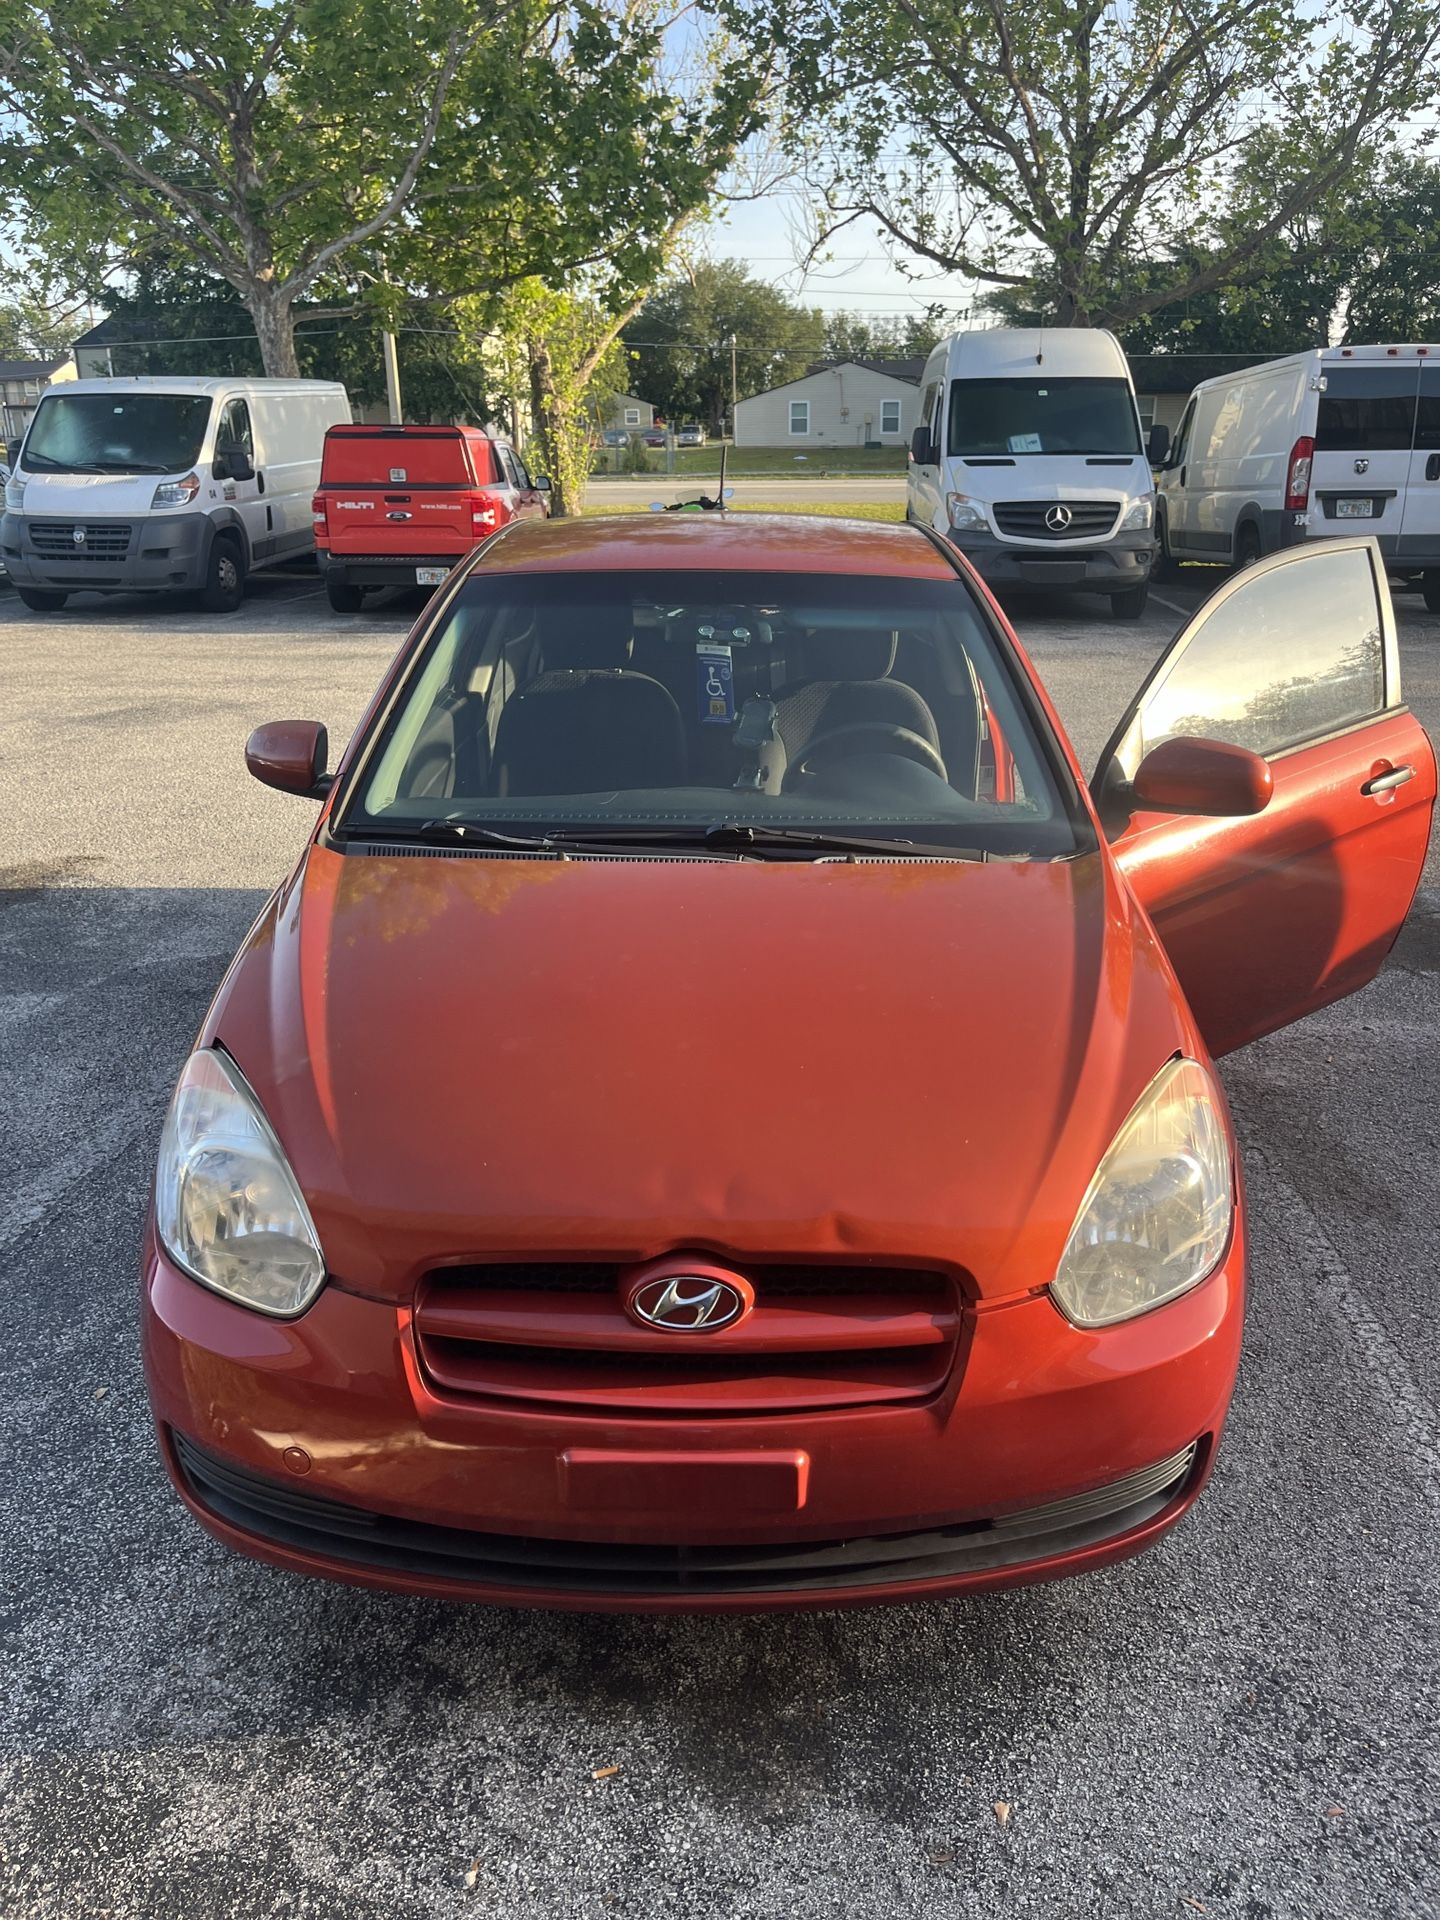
[[522, 473], [235, 428], [1366, 410], [1298, 648], [1182, 437]]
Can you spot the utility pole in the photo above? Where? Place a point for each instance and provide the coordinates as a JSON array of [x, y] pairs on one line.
[[392, 378], [734, 394]]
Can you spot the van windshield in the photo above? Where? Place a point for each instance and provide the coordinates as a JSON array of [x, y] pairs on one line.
[[121, 432], [1042, 416], [654, 708]]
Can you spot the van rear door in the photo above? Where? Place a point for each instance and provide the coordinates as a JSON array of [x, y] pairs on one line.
[[1420, 531], [398, 491], [1364, 430]]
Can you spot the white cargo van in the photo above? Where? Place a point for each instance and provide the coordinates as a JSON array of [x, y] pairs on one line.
[[163, 485], [1338, 440], [1029, 457]]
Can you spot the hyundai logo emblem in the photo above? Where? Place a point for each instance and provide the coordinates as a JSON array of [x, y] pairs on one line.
[[1058, 519], [680, 1302]]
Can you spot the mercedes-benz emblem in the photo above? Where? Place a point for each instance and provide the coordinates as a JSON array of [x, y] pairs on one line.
[[78, 536], [675, 1302], [1058, 518]]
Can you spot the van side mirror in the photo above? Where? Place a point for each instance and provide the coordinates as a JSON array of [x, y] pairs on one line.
[[291, 755], [922, 450], [1186, 775], [1157, 447], [12, 454], [232, 462]]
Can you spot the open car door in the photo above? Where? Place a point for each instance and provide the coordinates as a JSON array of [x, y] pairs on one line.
[[1269, 913]]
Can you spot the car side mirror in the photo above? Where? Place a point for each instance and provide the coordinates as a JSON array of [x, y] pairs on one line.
[[291, 755], [12, 454], [542, 483], [232, 463], [921, 451], [1186, 775], [1157, 447]]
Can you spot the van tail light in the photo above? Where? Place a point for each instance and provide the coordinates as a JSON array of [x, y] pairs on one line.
[[486, 510], [320, 520], [1297, 475]]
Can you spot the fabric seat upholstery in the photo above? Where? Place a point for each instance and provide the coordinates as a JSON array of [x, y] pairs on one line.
[[855, 691], [586, 723]]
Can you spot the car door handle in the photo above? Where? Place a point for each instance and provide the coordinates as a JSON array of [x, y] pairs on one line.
[[1432, 467], [1387, 782], [1182, 476]]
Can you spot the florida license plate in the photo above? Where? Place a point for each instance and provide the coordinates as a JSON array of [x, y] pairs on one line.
[[430, 576], [1360, 508]]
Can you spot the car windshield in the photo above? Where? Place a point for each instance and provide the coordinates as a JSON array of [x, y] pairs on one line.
[[1042, 416], [119, 432], [665, 706]]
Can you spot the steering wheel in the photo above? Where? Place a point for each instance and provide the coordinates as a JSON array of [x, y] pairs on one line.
[[885, 736]]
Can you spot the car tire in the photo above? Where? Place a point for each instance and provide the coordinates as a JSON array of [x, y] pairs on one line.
[[1430, 588], [1166, 566], [1247, 546], [224, 586], [343, 597], [41, 599], [1130, 604]]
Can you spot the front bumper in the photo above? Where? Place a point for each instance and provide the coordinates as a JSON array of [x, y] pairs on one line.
[[164, 553], [285, 1425], [1111, 566]]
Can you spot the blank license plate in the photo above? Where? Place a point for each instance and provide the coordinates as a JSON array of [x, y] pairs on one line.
[[432, 576], [1355, 509]]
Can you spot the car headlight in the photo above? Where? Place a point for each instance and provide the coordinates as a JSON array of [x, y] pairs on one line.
[[1140, 515], [177, 493], [1156, 1218], [965, 513], [226, 1203]]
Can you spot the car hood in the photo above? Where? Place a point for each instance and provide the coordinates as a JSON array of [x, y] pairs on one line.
[[615, 1058]]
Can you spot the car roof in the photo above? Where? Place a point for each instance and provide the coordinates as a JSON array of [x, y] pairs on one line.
[[754, 542]]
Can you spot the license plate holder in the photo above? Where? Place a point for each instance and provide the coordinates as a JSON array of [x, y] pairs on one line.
[[431, 576], [1355, 506]]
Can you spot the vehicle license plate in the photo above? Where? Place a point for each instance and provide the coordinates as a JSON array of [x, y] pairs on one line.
[[1355, 509], [431, 576]]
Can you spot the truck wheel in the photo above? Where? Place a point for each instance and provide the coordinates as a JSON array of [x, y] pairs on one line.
[[1429, 586], [1247, 546], [41, 600], [224, 587], [344, 598], [1166, 566], [1130, 604]]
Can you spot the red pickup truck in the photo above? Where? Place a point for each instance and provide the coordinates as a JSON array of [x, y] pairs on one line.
[[400, 506]]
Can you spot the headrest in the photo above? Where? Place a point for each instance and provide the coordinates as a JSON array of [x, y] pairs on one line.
[[580, 638], [848, 653]]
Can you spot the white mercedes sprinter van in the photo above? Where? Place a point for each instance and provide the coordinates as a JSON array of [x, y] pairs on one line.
[[1338, 440], [164, 485], [1029, 457]]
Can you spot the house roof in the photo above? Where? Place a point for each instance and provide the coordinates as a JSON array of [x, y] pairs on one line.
[[30, 369], [886, 368], [1180, 372]]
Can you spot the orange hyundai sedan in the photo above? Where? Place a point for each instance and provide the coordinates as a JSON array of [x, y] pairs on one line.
[[720, 1115]]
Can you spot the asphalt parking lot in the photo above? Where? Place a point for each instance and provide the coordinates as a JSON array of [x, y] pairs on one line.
[[1241, 1723]]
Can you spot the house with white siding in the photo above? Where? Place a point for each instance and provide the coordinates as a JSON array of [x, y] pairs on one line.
[[850, 403]]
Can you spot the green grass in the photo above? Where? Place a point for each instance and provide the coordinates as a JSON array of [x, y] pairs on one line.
[[834, 509], [743, 461]]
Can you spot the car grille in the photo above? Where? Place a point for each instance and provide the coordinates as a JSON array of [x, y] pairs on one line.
[[818, 1336], [105, 540], [355, 1536], [1025, 519]]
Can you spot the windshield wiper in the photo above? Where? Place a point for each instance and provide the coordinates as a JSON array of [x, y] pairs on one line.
[[723, 836], [467, 831]]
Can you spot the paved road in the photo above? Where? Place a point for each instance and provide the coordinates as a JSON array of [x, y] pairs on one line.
[[1243, 1723], [794, 490]]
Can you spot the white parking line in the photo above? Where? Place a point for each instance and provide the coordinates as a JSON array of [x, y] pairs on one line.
[[1161, 601]]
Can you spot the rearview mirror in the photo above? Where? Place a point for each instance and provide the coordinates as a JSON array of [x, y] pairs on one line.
[[291, 755], [233, 463], [542, 483], [12, 454], [921, 451], [1186, 775], [1157, 447]]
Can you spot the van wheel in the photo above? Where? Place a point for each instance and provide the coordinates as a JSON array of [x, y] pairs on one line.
[[1247, 546], [1429, 586], [224, 586], [1166, 566], [343, 598], [40, 600], [1130, 604]]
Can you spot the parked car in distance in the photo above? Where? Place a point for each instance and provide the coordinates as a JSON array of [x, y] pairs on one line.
[[720, 1116], [692, 434], [164, 485], [1028, 455], [657, 436], [1322, 444], [400, 506], [615, 437]]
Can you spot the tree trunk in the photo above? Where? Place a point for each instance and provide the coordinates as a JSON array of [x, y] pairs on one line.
[[275, 330], [555, 434]]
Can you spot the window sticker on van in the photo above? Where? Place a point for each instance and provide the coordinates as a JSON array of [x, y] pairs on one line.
[[1025, 443], [398, 475]]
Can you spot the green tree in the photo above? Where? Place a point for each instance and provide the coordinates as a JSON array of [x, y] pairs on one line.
[[29, 330], [680, 340], [1006, 139], [891, 336], [279, 145]]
